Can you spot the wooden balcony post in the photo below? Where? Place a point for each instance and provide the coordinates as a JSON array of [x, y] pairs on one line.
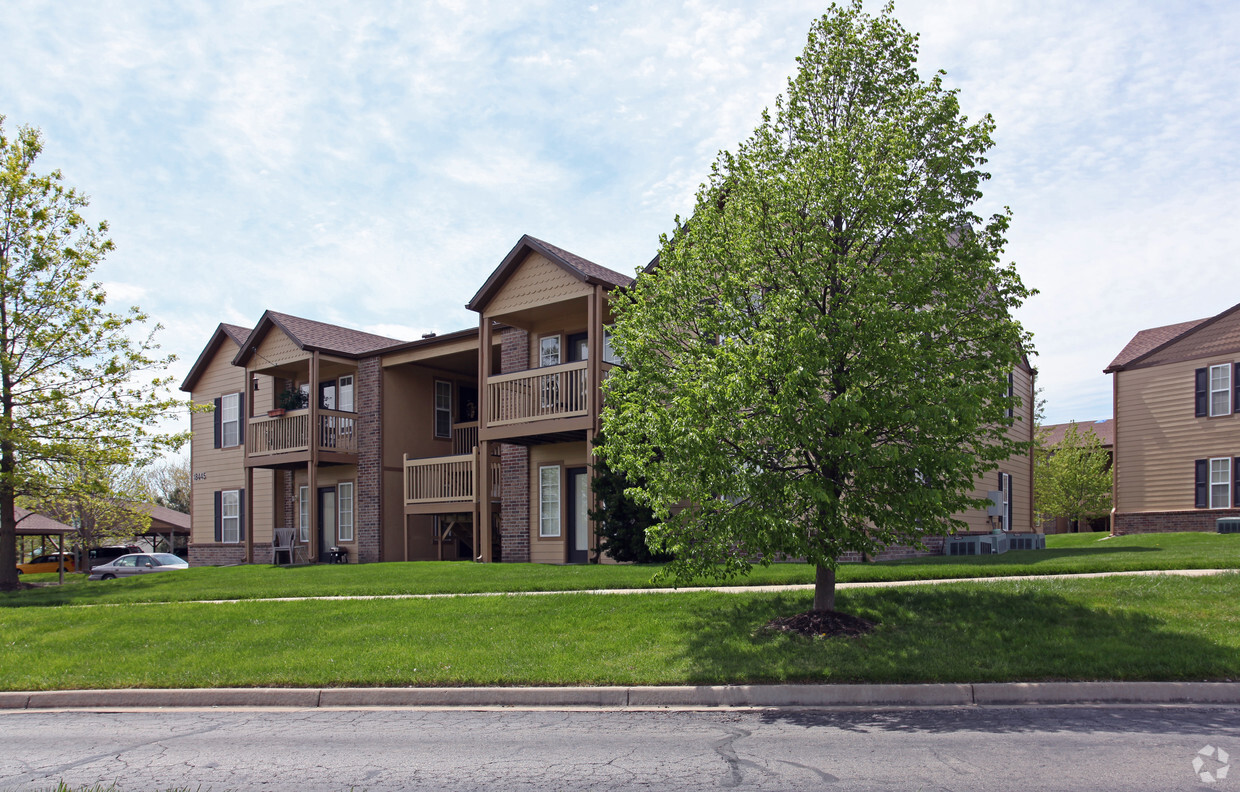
[[482, 497], [312, 467], [248, 511]]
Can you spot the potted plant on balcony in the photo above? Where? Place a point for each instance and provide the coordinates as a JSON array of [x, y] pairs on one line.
[[288, 399]]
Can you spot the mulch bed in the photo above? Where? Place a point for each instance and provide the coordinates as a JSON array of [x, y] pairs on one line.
[[822, 624]]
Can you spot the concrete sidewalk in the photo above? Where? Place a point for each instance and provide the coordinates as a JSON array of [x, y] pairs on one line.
[[683, 590], [619, 698]]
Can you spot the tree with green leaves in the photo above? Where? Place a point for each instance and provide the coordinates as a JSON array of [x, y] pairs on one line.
[[1072, 478], [620, 521], [167, 483], [818, 364], [81, 387]]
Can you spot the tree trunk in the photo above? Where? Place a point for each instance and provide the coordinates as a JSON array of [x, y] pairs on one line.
[[824, 589]]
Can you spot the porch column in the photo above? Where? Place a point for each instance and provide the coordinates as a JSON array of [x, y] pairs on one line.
[[482, 500], [248, 508], [312, 467]]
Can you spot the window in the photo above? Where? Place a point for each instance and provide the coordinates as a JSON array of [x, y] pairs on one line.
[[609, 352], [344, 502], [443, 408], [230, 420], [344, 388], [303, 513], [549, 351], [1005, 503], [230, 516], [549, 500], [1220, 389], [1220, 483], [549, 355]]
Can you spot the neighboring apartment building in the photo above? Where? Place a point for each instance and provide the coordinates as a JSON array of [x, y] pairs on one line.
[[474, 444], [1177, 432], [1051, 436]]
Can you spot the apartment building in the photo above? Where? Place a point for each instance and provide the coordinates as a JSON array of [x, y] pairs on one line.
[[1176, 393], [468, 445]]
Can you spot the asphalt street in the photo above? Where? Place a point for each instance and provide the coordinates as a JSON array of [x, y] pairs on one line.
[[948, 748]]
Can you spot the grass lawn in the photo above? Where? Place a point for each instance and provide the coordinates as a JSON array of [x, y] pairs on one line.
[[1146, 628], [1066, 553]]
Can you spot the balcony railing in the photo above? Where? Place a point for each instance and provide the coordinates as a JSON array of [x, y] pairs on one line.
[[464, 437], [288, 433], [537, 394], [449, 479]]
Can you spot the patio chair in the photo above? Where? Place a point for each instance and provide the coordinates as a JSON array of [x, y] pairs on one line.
[[283, 542]]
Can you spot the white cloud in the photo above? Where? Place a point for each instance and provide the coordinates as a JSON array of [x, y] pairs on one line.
[[370, 164]]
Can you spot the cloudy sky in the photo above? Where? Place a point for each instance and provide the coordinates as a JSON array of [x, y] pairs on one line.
[[369, 165]]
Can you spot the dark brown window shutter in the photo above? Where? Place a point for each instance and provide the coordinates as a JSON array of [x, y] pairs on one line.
[[1235, 385], [1202, 377], [241, 515], [1203, 484], [242, 418], [218, 402], [1235, 483], [1011, 411], [219, 514]]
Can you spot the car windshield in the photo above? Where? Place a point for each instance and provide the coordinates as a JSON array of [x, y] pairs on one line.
[[167, 558]]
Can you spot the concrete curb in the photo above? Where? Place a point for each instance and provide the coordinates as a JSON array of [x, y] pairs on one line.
[[706, 697]]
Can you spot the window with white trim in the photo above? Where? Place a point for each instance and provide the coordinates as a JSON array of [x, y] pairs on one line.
[[549, 351], [609, 352], [1220, 483], [1220, 389], [443, 408], [230, 420], [230, 516], [549, 501], [344, 393], [303, 513], [344, 502]]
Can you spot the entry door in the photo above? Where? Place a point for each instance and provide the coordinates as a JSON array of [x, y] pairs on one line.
[[578, 515], [327, 520]]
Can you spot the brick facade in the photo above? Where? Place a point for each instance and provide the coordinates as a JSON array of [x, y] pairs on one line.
[[934, 546], [1171, 522], [223, 554], [369, 490], [514, 529]]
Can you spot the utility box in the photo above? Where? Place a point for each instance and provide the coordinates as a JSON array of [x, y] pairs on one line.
[[995, 509], [1229, 525]]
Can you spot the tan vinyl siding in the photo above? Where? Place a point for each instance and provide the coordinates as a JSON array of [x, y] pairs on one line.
[[536, 282], [1018, 467], [1220, 338], [214, 469], [1158, 435], [566, 455]]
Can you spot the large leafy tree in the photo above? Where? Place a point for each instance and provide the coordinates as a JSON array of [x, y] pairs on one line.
[[80, 385], [819, 361], [1072, 478]]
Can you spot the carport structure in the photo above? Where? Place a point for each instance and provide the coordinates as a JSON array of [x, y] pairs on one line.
[[32, 524]]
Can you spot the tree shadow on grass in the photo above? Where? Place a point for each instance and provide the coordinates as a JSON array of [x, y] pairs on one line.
[[955, 633]]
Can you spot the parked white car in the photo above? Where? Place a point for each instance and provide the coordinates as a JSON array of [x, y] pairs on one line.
[[138, 564]]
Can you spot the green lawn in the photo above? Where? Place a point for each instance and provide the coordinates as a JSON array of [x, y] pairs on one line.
[[1131, 628], [1068, 553]]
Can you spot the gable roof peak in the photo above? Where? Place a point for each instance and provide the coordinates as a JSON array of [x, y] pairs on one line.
[[580, 268], [1147, 342]]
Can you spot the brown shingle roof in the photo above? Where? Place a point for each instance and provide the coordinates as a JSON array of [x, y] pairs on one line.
[[1104, 429], [236, 332], [324, 337], [1148, 340], [587, 267], [32, 523]]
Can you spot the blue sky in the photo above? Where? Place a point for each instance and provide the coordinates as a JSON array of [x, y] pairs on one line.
[[370, 166]]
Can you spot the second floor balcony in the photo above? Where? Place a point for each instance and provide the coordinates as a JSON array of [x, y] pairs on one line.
[[538, 394], [272, 440]]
